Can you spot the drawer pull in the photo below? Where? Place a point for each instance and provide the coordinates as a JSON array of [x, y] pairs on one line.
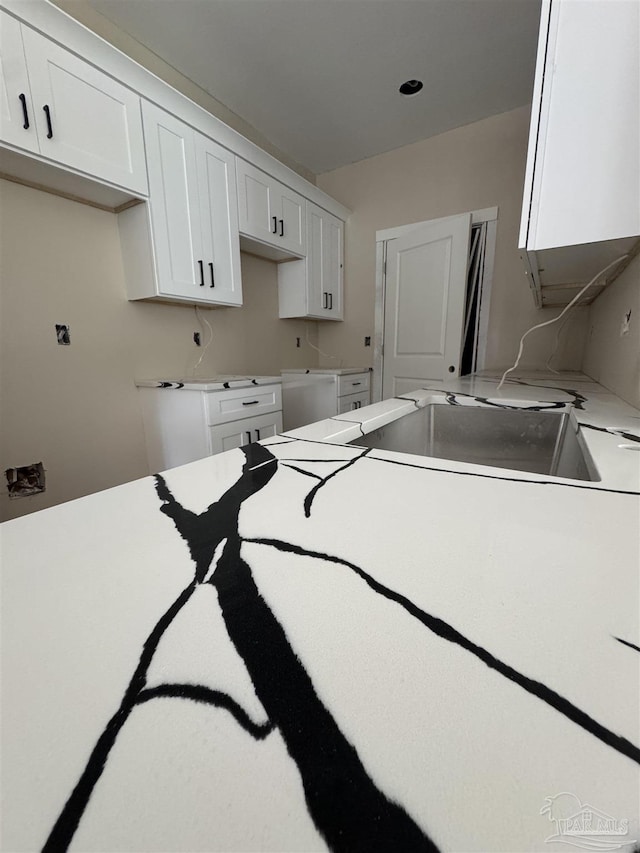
[[275, 224], [356, 383], [257, 435], [213, 281], [47, 112], [251, 403], [201, 265], [25, 114], [248, 437]]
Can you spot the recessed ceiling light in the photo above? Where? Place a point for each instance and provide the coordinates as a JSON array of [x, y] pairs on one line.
[[411, 87]]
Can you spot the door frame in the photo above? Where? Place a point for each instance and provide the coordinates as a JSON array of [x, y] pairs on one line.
[[488, 215]]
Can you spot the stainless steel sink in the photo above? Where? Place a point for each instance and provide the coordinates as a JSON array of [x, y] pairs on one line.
[[539, 442]]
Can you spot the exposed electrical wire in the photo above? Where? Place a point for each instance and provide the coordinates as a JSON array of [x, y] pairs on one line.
[[201, 319], [555, 319], [317, 349]]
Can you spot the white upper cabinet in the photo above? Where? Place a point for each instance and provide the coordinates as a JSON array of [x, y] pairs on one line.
[[583, 170], [17, 126], [313, 287], [77, 116], [270, 212], [193, 218]]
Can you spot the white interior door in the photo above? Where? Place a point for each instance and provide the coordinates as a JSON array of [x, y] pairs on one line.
[[426, 276]]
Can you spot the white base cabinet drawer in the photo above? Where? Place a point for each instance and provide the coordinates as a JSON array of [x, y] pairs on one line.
[[239, 403], [353, 383], [352, 402], [238, 433]]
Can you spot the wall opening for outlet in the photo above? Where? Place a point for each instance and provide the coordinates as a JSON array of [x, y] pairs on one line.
[[25, 481], [63, 334]]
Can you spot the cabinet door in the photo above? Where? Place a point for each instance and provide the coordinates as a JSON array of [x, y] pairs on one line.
[[323, 270], [291, 223], [84, 118], [269, 211], [16, 107], [219, 221], [256, 215], [239, 433], [353, 402], [583, 170], [173, 202], [332, 254]]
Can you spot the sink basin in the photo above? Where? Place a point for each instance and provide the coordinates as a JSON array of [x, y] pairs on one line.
[[538, 442]]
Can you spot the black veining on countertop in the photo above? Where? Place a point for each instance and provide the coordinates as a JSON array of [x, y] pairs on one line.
[[448, 632], [627, 643], [349, 811], [347, 808]]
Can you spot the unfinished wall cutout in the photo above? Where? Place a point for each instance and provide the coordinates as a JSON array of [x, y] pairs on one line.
[[63, 334], [25, 481]]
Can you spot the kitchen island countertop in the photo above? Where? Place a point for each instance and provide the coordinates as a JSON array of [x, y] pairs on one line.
[[308, 645]]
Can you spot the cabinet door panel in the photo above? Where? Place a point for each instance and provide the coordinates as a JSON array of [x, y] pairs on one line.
[[173, 203], [14, 82], [239, 433], [353, 402], [95, 121], [292, 213], [316, 294], [219, 222], [332, 264], [255, 203]]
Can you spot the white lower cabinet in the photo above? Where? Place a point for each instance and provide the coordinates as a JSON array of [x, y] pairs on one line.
[[352, 402], [182, 424], [192, 215], [314, 395], [239, 433]]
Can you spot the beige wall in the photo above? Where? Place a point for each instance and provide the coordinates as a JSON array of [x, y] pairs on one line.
[[75, 408], [473, 167], [610, 358], [93, 20]]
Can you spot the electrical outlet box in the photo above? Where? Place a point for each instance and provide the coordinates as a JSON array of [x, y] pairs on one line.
[[626, 322]]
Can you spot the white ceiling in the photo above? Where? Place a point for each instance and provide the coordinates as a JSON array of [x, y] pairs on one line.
[[320, 78]]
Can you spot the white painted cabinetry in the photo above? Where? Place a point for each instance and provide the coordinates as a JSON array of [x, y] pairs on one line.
[[270, 212], [183, 424], [313, 287], [313, 395], [17, 126], [582, 182], [193, 218], [62, 108]]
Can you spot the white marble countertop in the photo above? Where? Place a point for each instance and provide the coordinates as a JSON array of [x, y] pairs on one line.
[[334, 371], [305, 645], [212, 383]]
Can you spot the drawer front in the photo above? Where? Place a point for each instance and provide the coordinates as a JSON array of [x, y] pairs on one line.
[[353, 383], [353, 402], [237, 403]]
